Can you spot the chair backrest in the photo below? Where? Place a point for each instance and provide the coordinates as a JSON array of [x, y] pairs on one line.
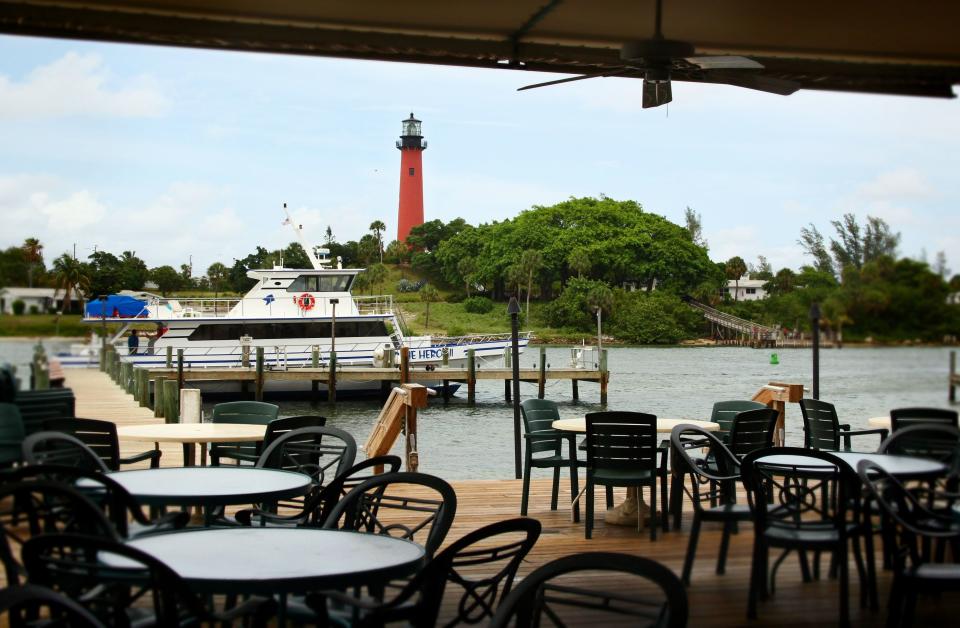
[[538, 417], [99, 436], [717, 484], [752, 430], [905, 417], [28, 509], [423, 514], [19, 606], [107, 576], [480, 565], [278, 427], [61, 449], [926, 440], [323, 453], [807, 490], [821, 426], [318, 506], [621, 441], [11, 434], [251, 412], [566, 591], [725, 411]]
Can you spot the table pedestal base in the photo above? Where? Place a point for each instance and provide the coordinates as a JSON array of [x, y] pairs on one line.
[[626, 513]]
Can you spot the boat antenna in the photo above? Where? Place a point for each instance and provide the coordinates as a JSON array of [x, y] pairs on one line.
[[298, 229]]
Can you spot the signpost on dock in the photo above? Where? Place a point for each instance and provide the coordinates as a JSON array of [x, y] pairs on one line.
[[513, 309]]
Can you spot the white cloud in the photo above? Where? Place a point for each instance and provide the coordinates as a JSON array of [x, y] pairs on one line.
[[79, 84], [897, 185], [77, 211]]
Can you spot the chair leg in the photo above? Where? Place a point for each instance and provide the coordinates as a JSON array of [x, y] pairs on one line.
[[588, 524], [861, 573], [574, 491], [653, 507], [691, 549], [805, 564], [525, 498], [724, 546], [609, 497], [664, 504], [676, 499], [757, 580], [871, 566], [843, 559], [556, 488]]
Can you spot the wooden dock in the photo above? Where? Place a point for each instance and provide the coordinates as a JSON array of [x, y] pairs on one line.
[[714, 600]]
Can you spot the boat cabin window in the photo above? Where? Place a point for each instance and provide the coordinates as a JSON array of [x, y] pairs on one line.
[[258, 331], [321, 283]]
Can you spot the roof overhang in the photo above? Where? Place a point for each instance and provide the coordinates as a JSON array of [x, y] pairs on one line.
[[856, 45]]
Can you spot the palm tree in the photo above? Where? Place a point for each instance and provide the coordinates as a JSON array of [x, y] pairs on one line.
[[217, 273], [32, 255], [465, 267], [530, 262], [70, 275], [378, 227], [579, 262], [376, 274], [428, 294], [734, 269]]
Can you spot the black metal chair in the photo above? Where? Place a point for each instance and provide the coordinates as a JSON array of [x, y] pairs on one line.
[[913, 574], [62, 449], [26, 604], [107, 577], [323, 453], [822, 429], [12, 434], [655, 596], [538, 417], [101, 437], [318, 506], [752, 430], [713, 489], [44, 507], [622, 451], [497, 549], [275, 429], [377, 506], [809, 502], [907, 417]]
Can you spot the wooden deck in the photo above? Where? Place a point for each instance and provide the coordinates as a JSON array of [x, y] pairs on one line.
[[714, 600]]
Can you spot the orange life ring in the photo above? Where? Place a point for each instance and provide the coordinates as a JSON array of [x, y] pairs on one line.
[[306, 301]]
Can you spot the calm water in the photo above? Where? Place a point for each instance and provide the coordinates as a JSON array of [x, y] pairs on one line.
[[458, 441]]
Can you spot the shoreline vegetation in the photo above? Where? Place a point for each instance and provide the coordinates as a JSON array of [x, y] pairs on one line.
[[566, 263]]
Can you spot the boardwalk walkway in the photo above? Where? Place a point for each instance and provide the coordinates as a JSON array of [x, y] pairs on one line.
[[714, 600]]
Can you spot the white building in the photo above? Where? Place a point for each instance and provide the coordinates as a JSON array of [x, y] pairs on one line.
[[42, 299], [746, 289]]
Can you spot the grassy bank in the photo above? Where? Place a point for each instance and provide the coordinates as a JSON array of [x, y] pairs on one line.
[[452, 320], [42, 325]]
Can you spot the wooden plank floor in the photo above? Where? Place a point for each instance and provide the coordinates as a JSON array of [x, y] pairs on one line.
[[714, 600]]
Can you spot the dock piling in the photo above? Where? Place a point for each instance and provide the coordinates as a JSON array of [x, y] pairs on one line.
[[604, 377], [332, 381], [954, 378], [542, 378], [171, 401], [471, 377], [314, 384], [258, 393], [179, 369], [158, 397]]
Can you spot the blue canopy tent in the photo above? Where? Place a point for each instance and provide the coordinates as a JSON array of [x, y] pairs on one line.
[[116, 306]]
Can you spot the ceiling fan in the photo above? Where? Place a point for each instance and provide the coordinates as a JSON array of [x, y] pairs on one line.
[[660, 59]]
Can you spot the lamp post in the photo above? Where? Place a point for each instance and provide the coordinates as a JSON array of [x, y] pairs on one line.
[[815, 325], [333, 326], [513, 309]]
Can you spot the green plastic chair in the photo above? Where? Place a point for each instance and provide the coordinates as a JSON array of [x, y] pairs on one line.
[[724, 412], [249, 412], [823, 431], [538, 417], [11, 434]]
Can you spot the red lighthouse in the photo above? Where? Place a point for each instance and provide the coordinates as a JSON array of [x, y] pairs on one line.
[[411, 147]]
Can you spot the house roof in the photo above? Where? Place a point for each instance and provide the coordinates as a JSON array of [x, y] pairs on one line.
[[881, 46], [747, 283], [17, 292]]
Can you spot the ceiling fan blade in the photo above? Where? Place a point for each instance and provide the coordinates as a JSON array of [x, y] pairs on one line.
[[758, 82], [656, 93], [729, 62], [576, 78]]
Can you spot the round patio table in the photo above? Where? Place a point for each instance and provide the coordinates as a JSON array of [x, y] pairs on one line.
[[210, 486], [879, 422], [626, 513], [902, 467], [264, 561], [191, 434]]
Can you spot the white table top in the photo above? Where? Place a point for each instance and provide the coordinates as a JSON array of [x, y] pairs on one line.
[[663, 425], [879, 422], [900, 466], [258, 560], [193, 432]]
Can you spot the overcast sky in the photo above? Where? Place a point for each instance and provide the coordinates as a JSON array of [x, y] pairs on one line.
[[172, 152]]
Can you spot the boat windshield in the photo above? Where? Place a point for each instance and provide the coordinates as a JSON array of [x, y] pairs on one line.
[[321, 283]]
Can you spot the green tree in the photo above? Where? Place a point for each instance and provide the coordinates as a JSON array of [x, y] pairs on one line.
[[71, 276], [166, 278], [104, 273], [33, 255], [735, 269], [466, 268], [579, 262], [378, 227], [694, 227], [186, 276], [428, 294], [811, 240], [132, 272], [397, 253], [376, 274], [217, 274]]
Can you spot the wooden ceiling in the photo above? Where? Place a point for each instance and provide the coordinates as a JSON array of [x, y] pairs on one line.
[[903, 47]]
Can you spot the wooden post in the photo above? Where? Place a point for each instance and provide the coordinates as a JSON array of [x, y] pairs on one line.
[[258, 389], [471, 376], [542, 377], [332, 381], [143, 387], [404, 365], [245, 356], [445, 352], [169, 357], [125, 377], [953, 377], [576, 390], [604, 376], [507, 393], [171, 401], [158, 396], [103, 353], [314, 384], [179, 369]]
